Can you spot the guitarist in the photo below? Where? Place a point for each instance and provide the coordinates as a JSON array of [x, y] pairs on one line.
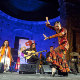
[[34, 58]]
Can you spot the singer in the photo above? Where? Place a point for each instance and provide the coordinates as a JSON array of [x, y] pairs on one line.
[[6, 56]]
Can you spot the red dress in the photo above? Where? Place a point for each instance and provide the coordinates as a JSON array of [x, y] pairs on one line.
[[61, 50]]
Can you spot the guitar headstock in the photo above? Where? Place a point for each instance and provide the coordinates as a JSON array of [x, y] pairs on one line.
[[44, 50]]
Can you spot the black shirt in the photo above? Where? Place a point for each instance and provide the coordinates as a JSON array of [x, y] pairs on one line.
[[47, 54]]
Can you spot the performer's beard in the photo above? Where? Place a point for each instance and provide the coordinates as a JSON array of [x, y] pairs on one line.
[[6, 45]]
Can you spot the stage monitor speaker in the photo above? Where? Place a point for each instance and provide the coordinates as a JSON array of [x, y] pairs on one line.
[[46, 69], [27, 69], [1, 67]]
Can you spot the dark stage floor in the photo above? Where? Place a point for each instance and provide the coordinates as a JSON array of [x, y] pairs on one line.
[[17, 76]]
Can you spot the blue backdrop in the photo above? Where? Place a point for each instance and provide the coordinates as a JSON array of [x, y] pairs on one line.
[[11, 27]]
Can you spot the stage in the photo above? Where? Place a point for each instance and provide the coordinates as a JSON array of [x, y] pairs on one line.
[[17, 76]]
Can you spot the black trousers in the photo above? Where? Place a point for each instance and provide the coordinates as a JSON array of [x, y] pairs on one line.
[[34, 60]]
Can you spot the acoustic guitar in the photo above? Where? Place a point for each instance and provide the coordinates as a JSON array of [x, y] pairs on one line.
[[30, 53]]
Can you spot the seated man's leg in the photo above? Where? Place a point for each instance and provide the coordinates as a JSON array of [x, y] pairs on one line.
[[35, 60]]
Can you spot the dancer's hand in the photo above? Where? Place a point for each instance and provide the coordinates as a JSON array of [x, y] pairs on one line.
[[47, 21], [45, 37]]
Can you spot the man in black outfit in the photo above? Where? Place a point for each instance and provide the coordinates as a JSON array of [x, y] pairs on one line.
[[51, 49], [34, 58], [53, 66]]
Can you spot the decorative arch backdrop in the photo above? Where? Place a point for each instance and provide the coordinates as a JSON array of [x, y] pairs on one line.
[[11, 27]]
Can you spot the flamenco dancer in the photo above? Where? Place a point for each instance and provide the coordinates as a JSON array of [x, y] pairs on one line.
[[62, 49]]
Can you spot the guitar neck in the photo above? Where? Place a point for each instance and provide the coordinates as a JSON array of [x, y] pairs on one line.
[[33, 52], [40, 51]]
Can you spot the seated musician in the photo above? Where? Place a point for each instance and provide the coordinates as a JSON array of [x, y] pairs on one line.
[[6, 56], [32, 58], [51, 59]]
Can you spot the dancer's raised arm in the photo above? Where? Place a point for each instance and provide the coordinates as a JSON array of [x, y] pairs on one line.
[[48, 24]]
